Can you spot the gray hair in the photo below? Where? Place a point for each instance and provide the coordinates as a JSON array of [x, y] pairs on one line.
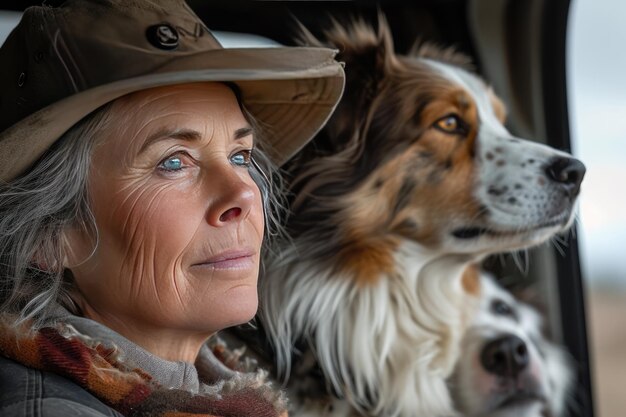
[[53, 195], [34, 210]]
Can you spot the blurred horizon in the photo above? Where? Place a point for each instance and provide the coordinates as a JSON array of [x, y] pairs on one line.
[[597, 112]]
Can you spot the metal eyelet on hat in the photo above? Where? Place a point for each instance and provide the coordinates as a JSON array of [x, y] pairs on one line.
[[21, 79], [163, 36]]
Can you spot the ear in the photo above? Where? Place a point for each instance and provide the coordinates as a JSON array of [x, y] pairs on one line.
[[368, 55], [48, 258], [359, 45], [76, 246], [44, 261]]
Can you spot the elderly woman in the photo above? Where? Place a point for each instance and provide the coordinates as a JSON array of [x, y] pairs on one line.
[[136, 161]]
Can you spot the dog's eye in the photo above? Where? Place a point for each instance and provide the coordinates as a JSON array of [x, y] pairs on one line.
[[451, 124], [501, 308]]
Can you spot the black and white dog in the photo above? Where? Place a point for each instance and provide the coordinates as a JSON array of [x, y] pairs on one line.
[[508, 368]]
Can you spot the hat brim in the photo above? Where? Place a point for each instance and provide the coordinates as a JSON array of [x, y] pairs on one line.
[[291, 92]]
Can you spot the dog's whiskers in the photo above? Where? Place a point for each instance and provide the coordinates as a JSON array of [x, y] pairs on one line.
[[520, 258]]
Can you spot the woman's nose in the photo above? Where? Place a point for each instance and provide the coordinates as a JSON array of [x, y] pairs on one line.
[[230, 214], [232, 199]]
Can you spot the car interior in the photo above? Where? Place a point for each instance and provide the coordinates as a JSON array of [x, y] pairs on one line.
[[519, 46]]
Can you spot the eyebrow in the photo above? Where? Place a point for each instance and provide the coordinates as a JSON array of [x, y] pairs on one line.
[[243, 132], [187, 135]]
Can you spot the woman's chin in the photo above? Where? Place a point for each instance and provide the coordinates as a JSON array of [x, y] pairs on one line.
[[240, 304]]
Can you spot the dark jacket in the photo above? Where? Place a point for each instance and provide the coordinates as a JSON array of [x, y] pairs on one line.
[[26, 392]]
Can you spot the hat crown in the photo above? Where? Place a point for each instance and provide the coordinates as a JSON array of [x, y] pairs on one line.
[[62, 63], [55, 52]]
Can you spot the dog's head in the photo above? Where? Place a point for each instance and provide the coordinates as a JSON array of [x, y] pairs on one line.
[[418, 150], [508, 368]]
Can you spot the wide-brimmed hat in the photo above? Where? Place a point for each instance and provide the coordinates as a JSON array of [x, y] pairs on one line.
[[61, 63]]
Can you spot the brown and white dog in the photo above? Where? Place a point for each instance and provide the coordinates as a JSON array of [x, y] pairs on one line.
[[508, 367], [413, 181]]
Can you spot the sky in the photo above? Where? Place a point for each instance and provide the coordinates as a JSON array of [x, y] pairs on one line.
[[596, 76]]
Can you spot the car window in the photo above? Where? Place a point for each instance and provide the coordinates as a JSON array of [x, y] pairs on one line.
[[597, 102]]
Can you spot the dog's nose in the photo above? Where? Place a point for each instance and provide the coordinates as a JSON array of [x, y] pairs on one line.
[[506, 356], [568, 172]]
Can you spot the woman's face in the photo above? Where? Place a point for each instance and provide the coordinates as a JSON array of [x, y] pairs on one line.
[[179, 218]]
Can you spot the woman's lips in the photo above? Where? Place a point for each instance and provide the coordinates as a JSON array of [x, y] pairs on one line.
[[231, 259]]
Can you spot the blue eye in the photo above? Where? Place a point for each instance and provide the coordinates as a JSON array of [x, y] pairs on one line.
[[241, 158], [173, 163]]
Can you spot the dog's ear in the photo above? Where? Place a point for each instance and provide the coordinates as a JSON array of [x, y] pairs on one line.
[[365, 50], [368, 55]]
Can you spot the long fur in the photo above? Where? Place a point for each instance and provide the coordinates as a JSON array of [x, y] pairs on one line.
[[390, 216]]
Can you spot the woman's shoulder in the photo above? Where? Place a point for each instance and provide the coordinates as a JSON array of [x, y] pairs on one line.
[[27, 392]]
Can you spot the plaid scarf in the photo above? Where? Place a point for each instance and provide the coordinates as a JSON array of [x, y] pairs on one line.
[[130, 391]]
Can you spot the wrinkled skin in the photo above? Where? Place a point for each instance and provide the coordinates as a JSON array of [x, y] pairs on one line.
[[179, 219]]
